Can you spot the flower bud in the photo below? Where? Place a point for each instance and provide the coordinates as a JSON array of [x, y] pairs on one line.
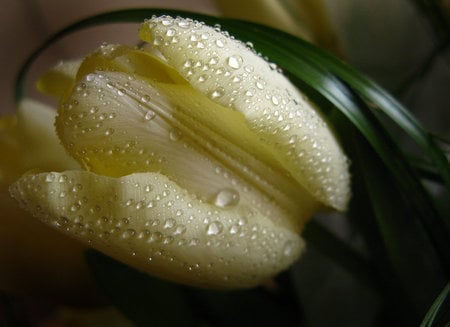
[[202, 162]]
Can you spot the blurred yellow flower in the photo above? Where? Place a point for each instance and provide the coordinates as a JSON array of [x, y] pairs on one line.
[[201, 161], [35, 259]]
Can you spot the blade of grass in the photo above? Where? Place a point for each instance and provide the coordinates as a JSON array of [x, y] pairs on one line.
[[442, 303]]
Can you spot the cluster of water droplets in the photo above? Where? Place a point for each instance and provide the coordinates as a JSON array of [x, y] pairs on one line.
[[95, 131], [154, 223], [235, 76]]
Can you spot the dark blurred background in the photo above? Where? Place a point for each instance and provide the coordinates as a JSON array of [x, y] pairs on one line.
[[399, 44]]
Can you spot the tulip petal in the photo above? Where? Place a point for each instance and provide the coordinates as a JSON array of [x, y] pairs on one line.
[[111, 57], [174, 130], [38, 141], [59, 79], [28, 141], [234, 76], [151, 223]]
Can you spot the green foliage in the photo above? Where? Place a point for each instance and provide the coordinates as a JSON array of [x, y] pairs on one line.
[[407, 240]]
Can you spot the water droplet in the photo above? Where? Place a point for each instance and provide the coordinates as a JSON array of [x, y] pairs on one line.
[[128, 233], [167, 22], [50, 178], [235, 229], [169, 223], [158, 40], [75, 207], [181, 229], [293, 139], [214, 228], [194, 242], [168, 240], [259, 85], [242, 221], [183, 24], [171, 32], [155, 237], [146, 98], [109, 131], [227, 198], [288, 248], [149, 115], [175, 134], [203, 78], [217, 93], [235, 61], [275, 100], [220, 43], [90, 77]]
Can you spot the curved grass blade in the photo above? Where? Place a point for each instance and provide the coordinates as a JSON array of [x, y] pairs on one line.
[[439, 308]]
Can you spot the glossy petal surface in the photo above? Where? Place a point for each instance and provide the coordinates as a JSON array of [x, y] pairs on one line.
[[232, 75], [151, 223]]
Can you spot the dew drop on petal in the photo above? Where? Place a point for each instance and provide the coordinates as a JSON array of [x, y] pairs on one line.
[[217, 93], [181, 229], [214, 228], [175, 134], [288, 248], [50, 178], [128, 233], [149, 115], [226, 198], [235, 229], [109, 131], [235, 61], [220, 43]]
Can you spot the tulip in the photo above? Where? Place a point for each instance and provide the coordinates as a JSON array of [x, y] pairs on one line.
[[201, 161]]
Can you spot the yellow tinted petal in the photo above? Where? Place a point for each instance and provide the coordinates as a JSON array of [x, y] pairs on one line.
[[39, 145], [234, 76], [59, 79], [122, 58], [174, 130], [149, 222]]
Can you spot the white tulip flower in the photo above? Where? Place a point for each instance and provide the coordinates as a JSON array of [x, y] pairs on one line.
[[201, 161]]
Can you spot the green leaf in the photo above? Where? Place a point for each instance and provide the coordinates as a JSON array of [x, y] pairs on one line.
[[439, 312]]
